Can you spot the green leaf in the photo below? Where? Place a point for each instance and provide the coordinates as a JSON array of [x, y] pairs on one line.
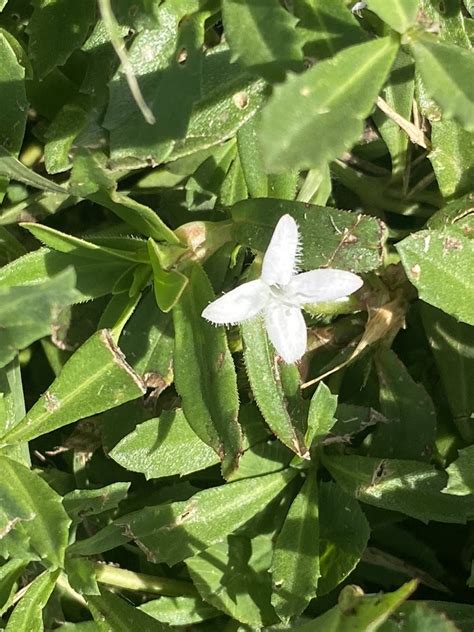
[[56, 29], [439, 263], [94, 379], [28, 313], [343, 536], [147, 341], [91, 173], [61, 134], [417, 617], [81, 503], [225, 88], [444, 68], [164, 447], [179, 610], [10, 573], [328, 102], [398, 93], [167, 62], [409, 487], [114, 614], [321, 414], [410, 431], [40, 265], [452, 344], [169, 285], [27, 616], [329, 237], [399, 14], [295, 564], [357, 612], [452, 157], [266, 382], [81, 576], [14, 102], [136, 215], [251, 160], [12, 408], [32, 507], [233, 577], [12, 168], [262, 36], [62, 242], [461, 474], [175, 531], [204, 373], [328, 26]]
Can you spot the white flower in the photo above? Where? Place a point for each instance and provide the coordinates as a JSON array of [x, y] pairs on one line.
[[280, 292]]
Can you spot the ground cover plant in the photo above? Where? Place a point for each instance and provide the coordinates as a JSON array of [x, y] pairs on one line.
[[236, 309]]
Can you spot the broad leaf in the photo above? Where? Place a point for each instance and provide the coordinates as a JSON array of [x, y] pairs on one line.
[[81, 503], [180, 610], [12, 408], [444, 69], [418, 617], [28, 614], [233, 577], [266, 382], [61, 134], [114, 614], [168, 285], [30, 506], [262, 36], [52, 37], [343, 535], [40, 265], [461, 474], [327, 26], [147, 342], [452, 157], [328, 102], [329, 237], [439, 263], [410, 430], [295, 564], [321, 414], [175, 531], [95, 378], [164, 447], [10, 573], [205, 374], [409, 487], [14, 102], [452, 344], [28, 313], [399, 14]]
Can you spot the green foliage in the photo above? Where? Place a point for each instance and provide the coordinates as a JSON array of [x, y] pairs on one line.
[[325, 103], [438, 263], [161, 472]]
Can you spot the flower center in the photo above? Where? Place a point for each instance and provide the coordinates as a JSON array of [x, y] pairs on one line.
[[283, 294]]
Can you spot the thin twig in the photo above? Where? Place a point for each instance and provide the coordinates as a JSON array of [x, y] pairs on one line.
[[415, 134], [117, 42]]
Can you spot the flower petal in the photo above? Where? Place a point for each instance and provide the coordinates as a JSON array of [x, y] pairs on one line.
[[320, 286], [239, 304], [279, 261], [287, 331]]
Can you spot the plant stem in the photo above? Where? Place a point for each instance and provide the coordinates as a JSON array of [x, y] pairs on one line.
[[130, 580]]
